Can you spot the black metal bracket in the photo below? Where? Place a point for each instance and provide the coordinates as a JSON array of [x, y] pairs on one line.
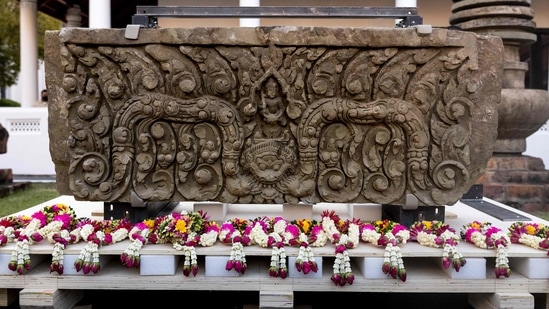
[[475, 199], [137, 210], [147, 16]]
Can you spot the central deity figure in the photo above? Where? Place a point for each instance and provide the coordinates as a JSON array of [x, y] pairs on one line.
[[270, 155]]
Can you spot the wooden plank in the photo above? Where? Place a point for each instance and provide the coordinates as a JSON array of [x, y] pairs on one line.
[[502, 301], [49, 298], [276, 297]]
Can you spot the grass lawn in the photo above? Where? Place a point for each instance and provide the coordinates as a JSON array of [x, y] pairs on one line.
[[36, 193]]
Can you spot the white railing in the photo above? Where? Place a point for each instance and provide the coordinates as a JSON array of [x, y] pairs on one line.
[[28, 144], [28, 151]]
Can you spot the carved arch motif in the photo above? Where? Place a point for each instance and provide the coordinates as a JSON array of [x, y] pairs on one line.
[[268, 124]]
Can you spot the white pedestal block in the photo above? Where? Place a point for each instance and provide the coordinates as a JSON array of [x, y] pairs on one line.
[[365, 212], [294, 273], [69, 269], [215, 266], [215, 211], [533, 268], [6, 258], [291, 211], [474, 268], [153, 265], [370, 267]]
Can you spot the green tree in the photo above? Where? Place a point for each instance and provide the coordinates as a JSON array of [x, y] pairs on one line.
[[10, 41]]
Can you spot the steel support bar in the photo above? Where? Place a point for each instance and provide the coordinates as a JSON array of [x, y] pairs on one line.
[[147, 15]]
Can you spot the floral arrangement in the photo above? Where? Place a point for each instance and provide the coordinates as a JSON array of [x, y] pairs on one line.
[[236, 232], [98, 233], [438, 234], [390, 235], [344, 234], [138, 236], [60, 240], [486, 236], [183, 230], [26, 231], [268, 232], [531, 234], [186, 230], [305, 233]]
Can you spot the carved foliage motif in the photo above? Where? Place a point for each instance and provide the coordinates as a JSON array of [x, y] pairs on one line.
[[267, 124]]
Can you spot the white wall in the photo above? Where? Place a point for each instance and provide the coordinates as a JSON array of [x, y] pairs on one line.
[[537, 145], [28, 151]]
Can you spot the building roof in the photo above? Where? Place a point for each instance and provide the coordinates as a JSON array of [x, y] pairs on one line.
[[121, 11]]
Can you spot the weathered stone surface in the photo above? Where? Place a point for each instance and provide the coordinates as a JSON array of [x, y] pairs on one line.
[[272, 114], [4, 135]]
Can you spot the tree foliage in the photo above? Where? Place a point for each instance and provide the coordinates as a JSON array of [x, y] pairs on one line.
[[9, 42], [10, 39]]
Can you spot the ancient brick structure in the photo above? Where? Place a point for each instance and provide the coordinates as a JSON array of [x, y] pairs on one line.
[[272, 114], [511, 178]]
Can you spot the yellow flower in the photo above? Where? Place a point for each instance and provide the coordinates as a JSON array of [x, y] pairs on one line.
[[149, 223], [428, 224], [305, 225], [181, 226], [530, 229]]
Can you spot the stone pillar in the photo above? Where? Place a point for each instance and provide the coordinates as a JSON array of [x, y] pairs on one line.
[[74, 16], [29, 53], [511, 178], [249, 22], [100, 14]]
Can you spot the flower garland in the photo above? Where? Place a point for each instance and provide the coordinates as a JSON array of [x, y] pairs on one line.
[[48, 220], [99, 233], [8, 225], [60, 240], [305, 233], [390, 235], [191, 229], [236, 232], [486, 236], [534, 235], [268, 232], [345, 235], [438, 234], [138, 236]]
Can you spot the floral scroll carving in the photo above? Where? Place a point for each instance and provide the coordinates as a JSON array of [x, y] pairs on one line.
[[274, 123]]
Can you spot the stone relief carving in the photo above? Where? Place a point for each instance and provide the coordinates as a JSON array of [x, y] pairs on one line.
[[274, 123]]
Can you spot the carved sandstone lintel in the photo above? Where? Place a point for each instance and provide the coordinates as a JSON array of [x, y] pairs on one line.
[[272, 114]]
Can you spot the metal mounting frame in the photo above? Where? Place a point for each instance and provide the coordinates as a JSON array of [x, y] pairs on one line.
[[147, 16]]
